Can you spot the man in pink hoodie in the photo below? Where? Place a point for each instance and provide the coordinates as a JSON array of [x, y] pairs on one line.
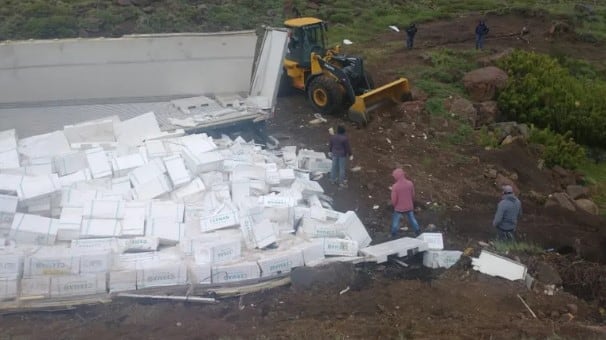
[[402, 196]]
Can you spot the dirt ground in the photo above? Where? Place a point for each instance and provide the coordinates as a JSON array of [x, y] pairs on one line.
[[392, 302]]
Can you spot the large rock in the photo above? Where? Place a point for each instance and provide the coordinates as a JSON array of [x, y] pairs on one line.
[[562, 200], [577, 191], [587, 205], [462, 108], [487, 113], [410, 110], [482, 84], [492, 59], [502, 180]]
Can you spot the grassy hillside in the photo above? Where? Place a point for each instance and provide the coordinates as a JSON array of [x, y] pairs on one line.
[[358, 19]]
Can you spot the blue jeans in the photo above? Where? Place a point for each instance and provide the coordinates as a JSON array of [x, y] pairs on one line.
[[480, 41], [395, 221], [338, 166], [409, 41]]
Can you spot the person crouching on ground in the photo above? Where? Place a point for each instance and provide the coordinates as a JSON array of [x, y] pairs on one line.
[[402, 196], [509, 210], [339, 150]]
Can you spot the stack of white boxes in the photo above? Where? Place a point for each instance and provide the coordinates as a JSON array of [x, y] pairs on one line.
[[114, 206]]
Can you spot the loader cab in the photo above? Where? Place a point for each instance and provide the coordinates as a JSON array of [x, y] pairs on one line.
[[306, 35]]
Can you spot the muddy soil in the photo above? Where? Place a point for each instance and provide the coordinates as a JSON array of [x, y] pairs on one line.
[[395, 302]]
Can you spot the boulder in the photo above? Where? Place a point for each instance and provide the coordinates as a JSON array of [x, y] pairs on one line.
[[587, 205], [410, 110], [462, 108], [561, 200], [507, 140], [482, 84], [487, 113], [501, 180], [537, 197], [492, 59], [577, 191]]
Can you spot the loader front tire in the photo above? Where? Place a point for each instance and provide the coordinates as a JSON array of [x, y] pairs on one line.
[[325, 95]]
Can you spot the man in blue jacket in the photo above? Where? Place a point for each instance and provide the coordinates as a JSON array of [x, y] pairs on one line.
[[509, 210]]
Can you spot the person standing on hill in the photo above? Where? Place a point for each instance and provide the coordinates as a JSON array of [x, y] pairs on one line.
[[339, 150], [481, 32], [402, 197], [505, 219], [410, 35]]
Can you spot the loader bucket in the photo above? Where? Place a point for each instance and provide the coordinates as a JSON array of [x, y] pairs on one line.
[[394, 92]]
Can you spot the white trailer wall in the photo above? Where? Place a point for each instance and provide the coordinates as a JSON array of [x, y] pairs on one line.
[[132, 66]]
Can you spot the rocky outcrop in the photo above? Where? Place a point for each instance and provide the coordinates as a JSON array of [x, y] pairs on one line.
[[587, 205], [482, 84]]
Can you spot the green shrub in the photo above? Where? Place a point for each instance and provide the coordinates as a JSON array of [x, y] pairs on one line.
[[558, 149], [487, 138], [461, 136], [543, 92]]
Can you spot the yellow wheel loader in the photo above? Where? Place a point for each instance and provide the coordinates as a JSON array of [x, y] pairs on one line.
[[333, 82]]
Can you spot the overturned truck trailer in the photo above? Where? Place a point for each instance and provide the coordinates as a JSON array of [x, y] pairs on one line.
[[189, 80]]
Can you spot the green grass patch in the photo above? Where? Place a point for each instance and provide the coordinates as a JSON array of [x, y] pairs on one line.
[[504, 247], [595, 174]]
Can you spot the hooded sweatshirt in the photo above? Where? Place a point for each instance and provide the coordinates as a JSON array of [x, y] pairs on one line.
[[339, 145], [508, 212], [402, 192]]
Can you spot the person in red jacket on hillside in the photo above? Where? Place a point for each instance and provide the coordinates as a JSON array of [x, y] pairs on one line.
[[402, 196]]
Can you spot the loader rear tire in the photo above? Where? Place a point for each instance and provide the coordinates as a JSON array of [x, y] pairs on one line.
[[325, 95]]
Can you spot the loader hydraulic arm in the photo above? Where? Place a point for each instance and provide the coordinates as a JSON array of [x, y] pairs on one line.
[[341, 77]]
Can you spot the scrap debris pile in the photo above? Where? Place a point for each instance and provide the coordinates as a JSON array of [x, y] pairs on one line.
[[109, 206]]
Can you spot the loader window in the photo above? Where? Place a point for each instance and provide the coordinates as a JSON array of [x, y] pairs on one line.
[[305, 40]]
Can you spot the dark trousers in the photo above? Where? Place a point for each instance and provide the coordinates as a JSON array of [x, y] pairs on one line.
[[505, 235], [410, 41]]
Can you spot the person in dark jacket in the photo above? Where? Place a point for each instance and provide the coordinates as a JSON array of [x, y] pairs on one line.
[[509, 210], [481, 31], [410, 35], [339, 150]]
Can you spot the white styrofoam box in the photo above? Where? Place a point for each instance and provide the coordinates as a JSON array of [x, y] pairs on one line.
[[198, 162], [98, 228], [441, 258], [200, 273], [162, 274], [46, 145], [143, 174], [307, 187], [70, 162], [95, 131], [39, 166], [496, 265], [198, 143], [319, 165], [9, 159], [179, 175], [313, 252], [280, 262], [94, 262], [124, 164], [8, 140], [70, 222], [122, 280], [156, 149], [139, 244], [240, 190], [218, 251], [340, 247], [156, 187], [51, 261], [41, 207], [287, 176], [136, 260], [234, 272], [257, 234], [315, 228], [11, 264], [166, 210], [103, 209], [32, 187], [35, 287], [354, 229], [33, 229], [71, 197], [400, 247], [277, 201], [211, 178], [137, 129], [10, 182], [94, 245], [249, 171], [167, 230], [8, 204], [110, 196], [98, 163], [78, 285], [223, 218], [133, 223], [121, 185], [194, 187], [78, 176], [434, 240], [222, 192], [8, 288], [167, 135]]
